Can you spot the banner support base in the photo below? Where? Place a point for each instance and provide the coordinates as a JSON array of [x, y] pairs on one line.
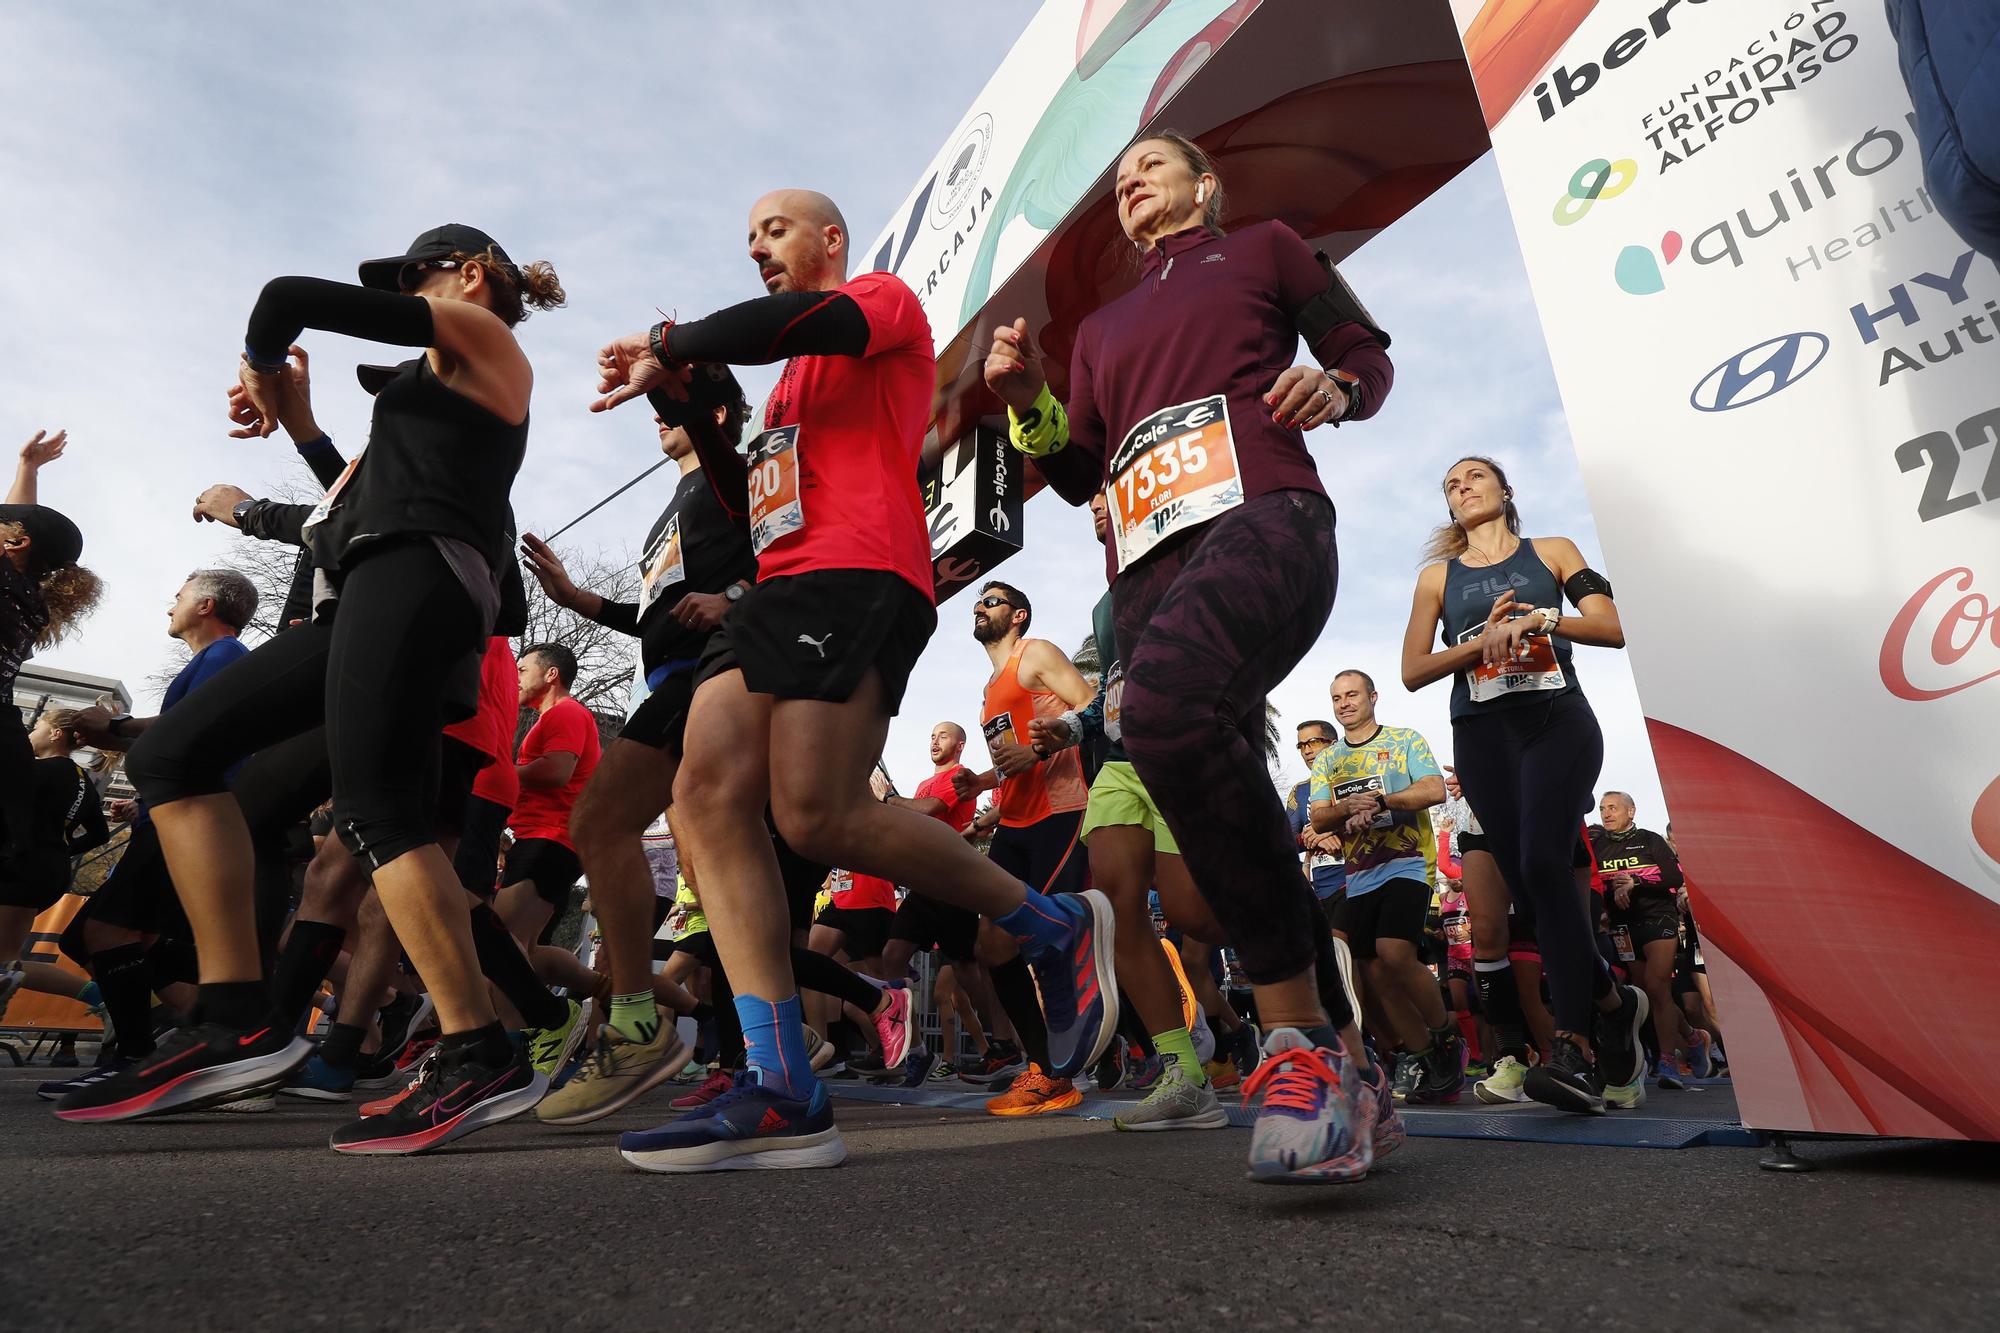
[[1782, 1158]]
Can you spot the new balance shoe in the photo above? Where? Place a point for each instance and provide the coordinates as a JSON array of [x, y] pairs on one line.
[[318, 1081], [1567, 1080], [549, 1049], [1176, 1102], [1616, 1038], [1440, 1073], [1701, 1054], [615, 1075], [711, 1087], [892, 1025], [1079, 993], [457, 1095], [190, 1068], [1503, 1085], [748, 1128], [58, 1088], [1315, 1123], [1389, 1128], [1035, 1093]]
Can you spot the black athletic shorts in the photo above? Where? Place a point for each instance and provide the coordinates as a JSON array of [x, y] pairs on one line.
[[139, 895], [1646, 921], [477, 861], [1394, 911], [1044, 855], [553, 868], [660, 721], [458, 766], [1469, 842], [866, 928], [35, 879], [930, 924], [814, 635]]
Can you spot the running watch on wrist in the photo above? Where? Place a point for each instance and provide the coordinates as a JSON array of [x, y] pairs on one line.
[[733, 593], [242, 511], [1350, 384], [657, 340]]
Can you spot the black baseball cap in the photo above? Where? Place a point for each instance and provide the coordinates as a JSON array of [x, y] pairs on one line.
[[374, 379], [54, 540], [712, 385], [437, 243]]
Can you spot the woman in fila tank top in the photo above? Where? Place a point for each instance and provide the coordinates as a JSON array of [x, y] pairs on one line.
[[1527, 749]]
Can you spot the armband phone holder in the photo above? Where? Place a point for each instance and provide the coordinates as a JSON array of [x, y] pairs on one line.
[[1333, 307]]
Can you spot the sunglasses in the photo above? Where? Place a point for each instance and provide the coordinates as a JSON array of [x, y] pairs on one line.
[[411, 274], [1316, 740], [990, 602]]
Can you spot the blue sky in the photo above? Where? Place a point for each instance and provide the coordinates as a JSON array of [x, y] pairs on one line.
[[164, 163]]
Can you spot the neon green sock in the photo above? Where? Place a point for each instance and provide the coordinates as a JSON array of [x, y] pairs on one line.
[[1177, 1045], [635, 1017]]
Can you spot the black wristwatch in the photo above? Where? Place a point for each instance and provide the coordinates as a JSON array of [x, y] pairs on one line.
[[242, 511], [734, 592], [658, 342], [1350, 384], [116, 726]]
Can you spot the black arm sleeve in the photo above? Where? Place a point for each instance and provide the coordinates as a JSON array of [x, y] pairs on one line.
[[326, 464], [273, 522], [289, 306], [773, 328], [621, 616]]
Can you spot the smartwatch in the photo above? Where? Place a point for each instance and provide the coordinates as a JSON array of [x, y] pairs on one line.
[[116, 726], [734, 592]]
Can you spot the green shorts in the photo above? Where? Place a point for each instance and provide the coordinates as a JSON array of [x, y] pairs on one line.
[[1118, 798]]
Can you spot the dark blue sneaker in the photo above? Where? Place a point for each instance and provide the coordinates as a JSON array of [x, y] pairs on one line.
[[917, 1066], [319, 1081], [58, 1088], [1078, 990], [748, 1128]]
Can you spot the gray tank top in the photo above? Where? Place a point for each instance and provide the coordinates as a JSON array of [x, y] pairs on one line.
[[1469, 594]]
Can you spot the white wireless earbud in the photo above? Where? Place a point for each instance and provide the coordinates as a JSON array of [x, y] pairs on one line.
[[1200, 193]]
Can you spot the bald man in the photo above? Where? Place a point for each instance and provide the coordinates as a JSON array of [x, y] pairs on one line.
[[794, 695]]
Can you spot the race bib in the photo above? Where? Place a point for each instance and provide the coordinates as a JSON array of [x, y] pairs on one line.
[[1621, 940], [662, 566], [999, 729], [1174, 470], [1356, 786], [1114, 703], [1458, 929], [1533, 668], [774, 487], [325, 506]]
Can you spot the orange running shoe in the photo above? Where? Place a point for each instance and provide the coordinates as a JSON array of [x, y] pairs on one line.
[[1222, 1074], [1034, 1093]]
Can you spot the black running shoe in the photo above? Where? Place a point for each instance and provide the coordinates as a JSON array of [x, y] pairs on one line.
[[192, 1068], [1567, 1080], [455, 1096], [1440, 1073], [1616, 1035]]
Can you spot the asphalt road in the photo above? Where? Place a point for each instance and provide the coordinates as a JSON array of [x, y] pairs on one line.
[[952, 1220]]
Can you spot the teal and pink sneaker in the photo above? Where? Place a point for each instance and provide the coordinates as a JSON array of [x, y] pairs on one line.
[[1316, 1124]]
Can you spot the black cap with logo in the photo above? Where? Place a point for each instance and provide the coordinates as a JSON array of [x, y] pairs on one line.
[[437, 243]]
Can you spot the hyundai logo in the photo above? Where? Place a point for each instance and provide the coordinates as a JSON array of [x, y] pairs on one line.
[[1756, 373]]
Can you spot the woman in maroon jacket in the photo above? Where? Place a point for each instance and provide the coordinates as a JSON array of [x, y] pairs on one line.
[[1184, 409]]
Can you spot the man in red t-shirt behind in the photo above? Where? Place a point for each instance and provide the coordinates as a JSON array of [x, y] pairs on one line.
[[556, 758]]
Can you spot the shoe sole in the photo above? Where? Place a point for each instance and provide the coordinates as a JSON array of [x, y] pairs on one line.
[[1494, 1097], [671, 1064], [1213, 1118], [1103, 941], [803, 1153], [478, 1116], [1554, 1092], [247, 1106], [202, 1088], [316, 1094], [1062, 1103]]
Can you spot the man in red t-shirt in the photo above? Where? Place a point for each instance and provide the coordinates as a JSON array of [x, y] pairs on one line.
[[795, 691], [556, 758]]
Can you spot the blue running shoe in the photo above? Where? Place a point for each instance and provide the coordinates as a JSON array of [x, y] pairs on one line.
[[748, 1128], [1079, 993], [319, 1081], [1316, 1123]]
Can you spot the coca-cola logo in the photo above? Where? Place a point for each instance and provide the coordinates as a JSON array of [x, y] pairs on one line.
[[1945, 639]]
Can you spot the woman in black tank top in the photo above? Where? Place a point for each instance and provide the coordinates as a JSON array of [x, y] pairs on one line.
[[407, 546], [1527, 750]]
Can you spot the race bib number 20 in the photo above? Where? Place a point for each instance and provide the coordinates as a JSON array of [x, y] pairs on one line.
[[774, 487], [1174, 470]]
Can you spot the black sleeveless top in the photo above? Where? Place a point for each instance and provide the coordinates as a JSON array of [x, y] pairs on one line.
[[437, 465], [1469, 595]]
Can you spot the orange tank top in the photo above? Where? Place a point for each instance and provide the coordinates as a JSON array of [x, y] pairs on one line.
[[1051, 787]]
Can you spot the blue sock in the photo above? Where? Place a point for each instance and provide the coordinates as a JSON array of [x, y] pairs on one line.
[[774, 1036], [1038, 920], [90, 996]]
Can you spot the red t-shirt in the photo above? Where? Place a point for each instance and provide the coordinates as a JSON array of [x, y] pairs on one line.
[[861, 424], [863, 891], [491, 730], [959, 814], [543, 812]]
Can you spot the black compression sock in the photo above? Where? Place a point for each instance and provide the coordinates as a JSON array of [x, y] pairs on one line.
[[503, 964], [488, 1045], [237, 1005], [817, 972], [342, 1047], [1015, 986], [303, 962], [128, 995], [1500, 997]]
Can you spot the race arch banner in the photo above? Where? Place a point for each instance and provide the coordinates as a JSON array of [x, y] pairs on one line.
[[1781, 372]]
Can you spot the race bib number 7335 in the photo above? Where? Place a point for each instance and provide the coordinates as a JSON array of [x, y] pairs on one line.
[[1173, 471]]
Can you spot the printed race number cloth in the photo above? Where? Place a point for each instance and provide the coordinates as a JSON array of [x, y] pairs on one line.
[[1174, 470], [1534, 668], [662, 566], [774, 487]]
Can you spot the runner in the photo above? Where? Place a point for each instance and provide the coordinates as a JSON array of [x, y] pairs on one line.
[[556, 759], [68, 820], [407, 551], [1643, 880], [1217, 597], [1041, 802], [1325, 868], [1527, 749], [1375, 787], [795, 694]]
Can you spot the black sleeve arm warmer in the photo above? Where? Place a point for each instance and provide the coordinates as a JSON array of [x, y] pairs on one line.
[[1586, 582], [274, 522], [621, 616], [289, 306], [325, 462], [773, 328]]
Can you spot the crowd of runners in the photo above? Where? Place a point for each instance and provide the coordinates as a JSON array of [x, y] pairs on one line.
[[341, 818]]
